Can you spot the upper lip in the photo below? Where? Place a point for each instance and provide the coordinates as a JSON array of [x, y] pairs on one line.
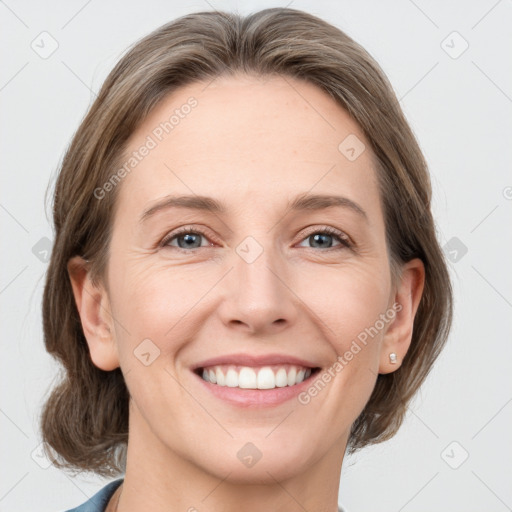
[[254, 360]]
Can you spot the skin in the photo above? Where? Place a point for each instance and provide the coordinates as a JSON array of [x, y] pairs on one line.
[[252, 144]]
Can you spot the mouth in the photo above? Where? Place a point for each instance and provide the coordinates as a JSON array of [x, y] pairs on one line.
[[263, 377], [255, 380]]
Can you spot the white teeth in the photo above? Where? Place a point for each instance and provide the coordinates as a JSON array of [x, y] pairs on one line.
[[232, 378], [266, 378], [281, 378], [246, 377], [220, 377], [291, 376]]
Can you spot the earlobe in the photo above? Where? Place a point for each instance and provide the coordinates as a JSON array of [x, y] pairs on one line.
[[93, 307], [398, 336]]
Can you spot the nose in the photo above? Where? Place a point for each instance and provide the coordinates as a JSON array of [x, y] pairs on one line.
[[258, 297]]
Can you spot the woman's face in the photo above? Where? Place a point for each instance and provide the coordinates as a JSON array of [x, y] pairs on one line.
[[251, 277]]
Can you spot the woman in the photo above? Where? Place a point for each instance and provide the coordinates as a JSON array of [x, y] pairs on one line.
[[215, 355]]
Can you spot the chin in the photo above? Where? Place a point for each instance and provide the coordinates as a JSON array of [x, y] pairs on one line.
[[246, 464]]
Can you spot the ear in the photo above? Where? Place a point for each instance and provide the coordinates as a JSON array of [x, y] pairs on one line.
[[94, 309], [406, 301]]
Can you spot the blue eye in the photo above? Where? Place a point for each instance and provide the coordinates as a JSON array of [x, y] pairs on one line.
[[188, 239], [321, 235]]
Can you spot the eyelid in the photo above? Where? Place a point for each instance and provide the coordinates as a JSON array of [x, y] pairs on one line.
[[345, 240], [186, 229]]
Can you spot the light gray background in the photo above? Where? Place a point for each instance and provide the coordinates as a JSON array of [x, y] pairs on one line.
[[460, 109]]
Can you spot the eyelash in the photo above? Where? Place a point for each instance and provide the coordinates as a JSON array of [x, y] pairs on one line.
[[344, 240]]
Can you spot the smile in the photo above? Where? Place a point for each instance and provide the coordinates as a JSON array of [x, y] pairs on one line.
[[264, 377]]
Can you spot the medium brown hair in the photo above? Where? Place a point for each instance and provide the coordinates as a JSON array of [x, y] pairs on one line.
[[84, 421]]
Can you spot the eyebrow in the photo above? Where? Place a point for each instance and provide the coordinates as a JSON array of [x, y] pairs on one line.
[[302, 202]]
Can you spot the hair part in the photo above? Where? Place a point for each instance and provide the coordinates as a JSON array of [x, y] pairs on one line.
[[84, 422]]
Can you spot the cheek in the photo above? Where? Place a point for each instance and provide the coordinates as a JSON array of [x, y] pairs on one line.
[[349, 301], [349, 309], [157, 302]]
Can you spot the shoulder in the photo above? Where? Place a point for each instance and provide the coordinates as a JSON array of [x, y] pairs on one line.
[[99, 501]]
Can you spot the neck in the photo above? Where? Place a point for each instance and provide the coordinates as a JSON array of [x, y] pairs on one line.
[[160, 479]]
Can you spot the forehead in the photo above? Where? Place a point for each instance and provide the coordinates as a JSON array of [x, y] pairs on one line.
[[267, 139]]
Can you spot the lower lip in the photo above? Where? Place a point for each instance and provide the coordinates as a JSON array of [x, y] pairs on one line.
[[257, 397]]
